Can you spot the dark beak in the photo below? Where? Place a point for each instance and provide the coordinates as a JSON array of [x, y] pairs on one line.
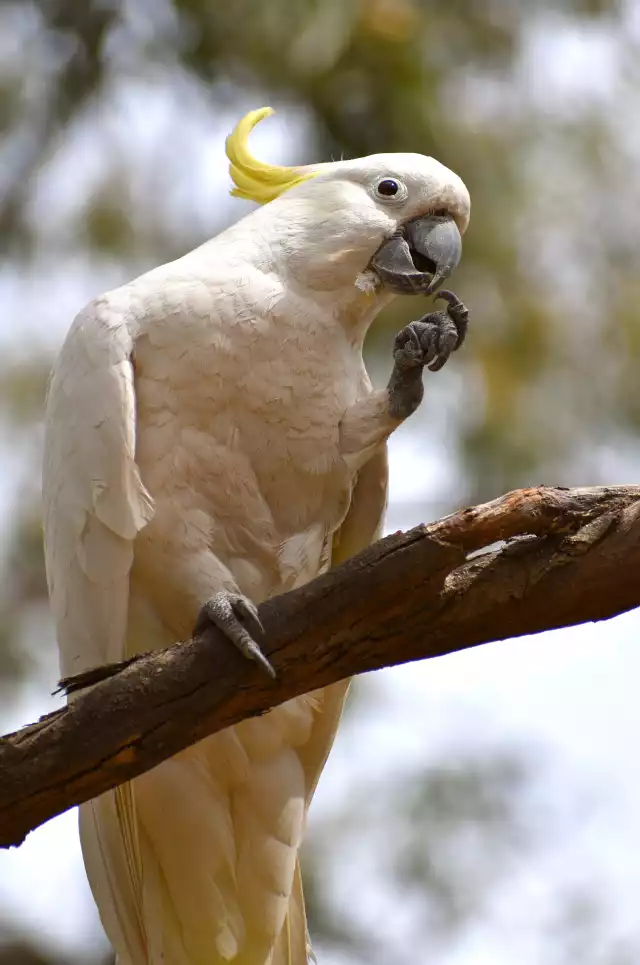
[[419, 256]]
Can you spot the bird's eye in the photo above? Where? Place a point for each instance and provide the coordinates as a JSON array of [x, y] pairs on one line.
[[388, 188]]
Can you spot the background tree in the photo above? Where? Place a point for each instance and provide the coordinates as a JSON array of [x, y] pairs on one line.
[[113, 114]]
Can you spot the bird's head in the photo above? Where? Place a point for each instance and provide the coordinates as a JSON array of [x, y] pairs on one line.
[[391, 220]]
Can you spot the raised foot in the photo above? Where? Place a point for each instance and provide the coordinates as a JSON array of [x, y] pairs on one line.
[[230, 612], [431, 339], [429, 342]]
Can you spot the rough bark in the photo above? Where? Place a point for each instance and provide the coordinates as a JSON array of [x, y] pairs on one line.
[[571, 556]]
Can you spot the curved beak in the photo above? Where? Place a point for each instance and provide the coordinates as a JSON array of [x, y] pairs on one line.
[[419, 256]]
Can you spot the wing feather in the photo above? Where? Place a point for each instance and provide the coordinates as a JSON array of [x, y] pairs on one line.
[[94, 500], [364, 522], [94, 504]]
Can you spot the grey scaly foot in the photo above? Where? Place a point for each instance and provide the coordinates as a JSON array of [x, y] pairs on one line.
[[427, 342], [230, 612]]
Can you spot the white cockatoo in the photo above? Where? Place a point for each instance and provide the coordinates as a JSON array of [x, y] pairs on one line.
[[212, 440]]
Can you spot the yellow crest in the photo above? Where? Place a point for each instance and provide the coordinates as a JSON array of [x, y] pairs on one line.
[[254, 179]]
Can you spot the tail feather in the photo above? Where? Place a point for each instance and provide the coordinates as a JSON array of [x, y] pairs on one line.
[[189, 865], [196, 861], [112, 874], [293, 946]]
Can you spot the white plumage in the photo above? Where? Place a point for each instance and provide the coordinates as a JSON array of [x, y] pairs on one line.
[[212, 426]]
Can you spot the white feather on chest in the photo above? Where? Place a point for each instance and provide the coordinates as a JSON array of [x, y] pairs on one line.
[[239, 407]]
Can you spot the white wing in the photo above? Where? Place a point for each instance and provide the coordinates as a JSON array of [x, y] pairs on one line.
[[94, 500], [94, 504]]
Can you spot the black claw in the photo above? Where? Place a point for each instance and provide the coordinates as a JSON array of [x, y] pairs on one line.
[[429, 341], [407, 350], [457, 312], [439, 362], [448, 296]]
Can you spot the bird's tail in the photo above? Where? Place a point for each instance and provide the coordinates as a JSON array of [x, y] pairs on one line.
[[108, 834], [189, 870], [294, 946]]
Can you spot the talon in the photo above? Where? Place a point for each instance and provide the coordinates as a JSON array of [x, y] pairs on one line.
[[427, 342], [447, 343], [246, 608], [457, 312], [450, 297], [439, 362], [407, 347], [225, 611], [429, 337]]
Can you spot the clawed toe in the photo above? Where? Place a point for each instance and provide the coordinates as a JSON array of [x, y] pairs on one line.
[[427, 342], [230, 612], [457, 312]]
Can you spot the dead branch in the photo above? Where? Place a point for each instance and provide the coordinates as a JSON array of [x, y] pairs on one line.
[[571, 556]]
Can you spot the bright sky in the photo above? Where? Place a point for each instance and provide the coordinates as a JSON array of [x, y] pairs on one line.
[[570, 695]]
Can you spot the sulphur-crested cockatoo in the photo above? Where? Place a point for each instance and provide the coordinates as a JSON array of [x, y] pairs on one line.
[[213, 439]]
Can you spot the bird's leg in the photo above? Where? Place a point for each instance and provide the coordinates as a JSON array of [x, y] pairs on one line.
[[428, 341], [178, 573], [231, 613]]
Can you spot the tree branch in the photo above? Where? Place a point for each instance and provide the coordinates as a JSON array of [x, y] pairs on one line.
[[573, 555]]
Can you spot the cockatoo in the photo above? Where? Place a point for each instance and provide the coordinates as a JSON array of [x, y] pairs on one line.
[[212, 440]]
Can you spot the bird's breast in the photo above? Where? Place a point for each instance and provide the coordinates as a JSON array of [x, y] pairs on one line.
[[252, 438]]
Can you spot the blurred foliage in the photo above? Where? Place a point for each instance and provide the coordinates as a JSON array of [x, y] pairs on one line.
[[22, 953], [17, 950], [480, 85], [455, 825], [107, 111]]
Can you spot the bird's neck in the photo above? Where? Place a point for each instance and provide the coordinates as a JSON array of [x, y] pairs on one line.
[[325, 261]]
